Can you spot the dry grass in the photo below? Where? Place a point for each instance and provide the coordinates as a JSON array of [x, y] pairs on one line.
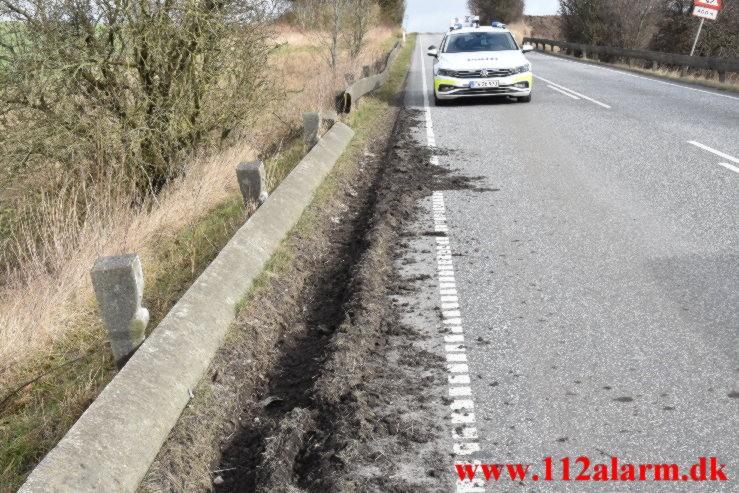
[[186, 461], [520, 30], [47, 309]]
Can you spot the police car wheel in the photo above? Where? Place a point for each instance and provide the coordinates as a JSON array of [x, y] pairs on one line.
[[525, 99]]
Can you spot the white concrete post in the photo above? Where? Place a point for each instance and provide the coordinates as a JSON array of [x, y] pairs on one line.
[[311, 130], [251, 177], [119, 289]]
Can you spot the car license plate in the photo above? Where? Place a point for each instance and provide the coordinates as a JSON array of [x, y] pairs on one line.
[[483, 83]]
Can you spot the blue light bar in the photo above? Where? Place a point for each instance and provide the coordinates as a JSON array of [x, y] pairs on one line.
[[498, 24]]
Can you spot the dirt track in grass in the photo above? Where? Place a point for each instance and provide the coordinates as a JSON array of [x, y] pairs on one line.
[[321, 387], [324, 409]]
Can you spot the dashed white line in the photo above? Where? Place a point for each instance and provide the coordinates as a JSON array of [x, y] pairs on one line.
[[563, 92], [573, 92], [711, 149], [623, 72], [464, 435], [728, 166]]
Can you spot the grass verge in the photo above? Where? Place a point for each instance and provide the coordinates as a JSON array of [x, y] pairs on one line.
[[42, 412], [664, 73], [38, 417], [186, 461]]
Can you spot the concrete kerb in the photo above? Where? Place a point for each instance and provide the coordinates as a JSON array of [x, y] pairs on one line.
[[368, 84], [112, 445]]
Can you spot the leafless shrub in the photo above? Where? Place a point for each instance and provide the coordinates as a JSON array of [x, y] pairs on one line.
[[123, 89], [336, 23]]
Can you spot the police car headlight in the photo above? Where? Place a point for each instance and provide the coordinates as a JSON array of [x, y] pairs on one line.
[[448, 73], [522, 68]]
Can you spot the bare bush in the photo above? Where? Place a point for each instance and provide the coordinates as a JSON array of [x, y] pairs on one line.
[[676, 30], [663, 25], [125, 88], [334, 24]]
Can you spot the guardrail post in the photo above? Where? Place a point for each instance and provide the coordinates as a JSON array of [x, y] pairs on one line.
[[366, 71], [722, 76], [119, 288], [655, 65], [251, 177], [311, 130]]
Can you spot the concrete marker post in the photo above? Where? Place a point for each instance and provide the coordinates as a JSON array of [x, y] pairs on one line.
[[329, 116], [251, 176], [311, 130], [119, 288]]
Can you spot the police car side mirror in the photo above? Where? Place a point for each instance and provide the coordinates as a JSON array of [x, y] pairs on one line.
[[527, 48], [433, 51]]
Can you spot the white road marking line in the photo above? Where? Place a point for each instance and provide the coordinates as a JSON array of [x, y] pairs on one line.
[[711, 149], [622, 72], [466, 448], [459, 379], [728, 166], [465, 439], [563, 92], [462, 418], [464, 433], [573, 92]]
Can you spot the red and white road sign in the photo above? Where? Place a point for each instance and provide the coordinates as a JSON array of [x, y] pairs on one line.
[[706, 13], [709, 4]]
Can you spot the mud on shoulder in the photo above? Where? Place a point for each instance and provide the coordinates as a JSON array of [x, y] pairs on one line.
[[321, 386]]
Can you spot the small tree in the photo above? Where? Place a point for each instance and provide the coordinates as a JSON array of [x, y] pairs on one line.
[[333, 23], [361, 16], [323, 20], [392, 11]]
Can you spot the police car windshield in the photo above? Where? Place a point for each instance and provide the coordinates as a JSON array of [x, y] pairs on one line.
[[480, 41]]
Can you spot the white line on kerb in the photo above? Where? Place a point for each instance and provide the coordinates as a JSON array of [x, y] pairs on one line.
[[465, 441], [563, 92], [711, 149], [573, 92]]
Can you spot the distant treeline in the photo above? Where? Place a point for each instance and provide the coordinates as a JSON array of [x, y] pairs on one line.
[[661, 25]]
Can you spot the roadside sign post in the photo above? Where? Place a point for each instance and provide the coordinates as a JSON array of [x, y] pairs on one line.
[[705, 9], [697, 35]]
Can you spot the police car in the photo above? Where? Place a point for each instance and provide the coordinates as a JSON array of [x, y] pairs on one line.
[[474, 61]]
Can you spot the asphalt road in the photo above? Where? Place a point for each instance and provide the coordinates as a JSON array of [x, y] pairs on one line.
[[599, 287]]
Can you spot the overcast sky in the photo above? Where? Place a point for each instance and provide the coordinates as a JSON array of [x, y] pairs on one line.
[[434, 15]]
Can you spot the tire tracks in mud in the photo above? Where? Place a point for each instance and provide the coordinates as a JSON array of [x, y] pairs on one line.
[[322, 387]]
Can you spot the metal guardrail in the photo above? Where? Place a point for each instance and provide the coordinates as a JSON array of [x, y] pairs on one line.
[[720, 65]]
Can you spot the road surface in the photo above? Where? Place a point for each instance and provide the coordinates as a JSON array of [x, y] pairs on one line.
[[598, 288]]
